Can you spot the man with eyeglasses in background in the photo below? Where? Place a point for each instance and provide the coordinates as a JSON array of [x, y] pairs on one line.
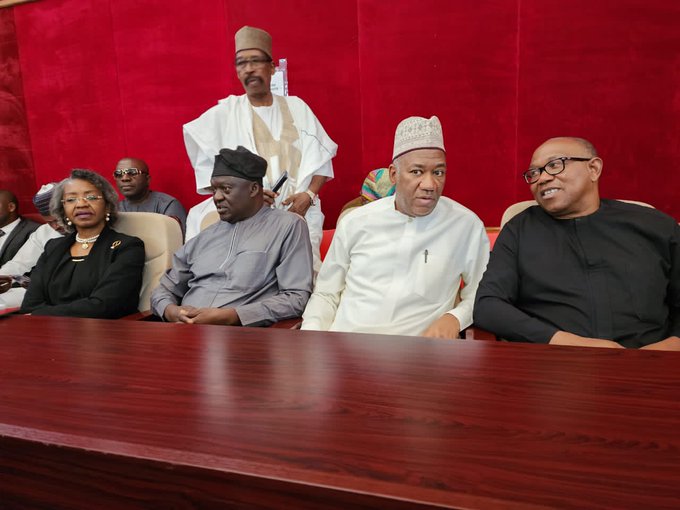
[[282, 130], [132, 178], [580, 270]]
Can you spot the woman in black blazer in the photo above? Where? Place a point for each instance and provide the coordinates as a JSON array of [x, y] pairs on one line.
[[95, 271]]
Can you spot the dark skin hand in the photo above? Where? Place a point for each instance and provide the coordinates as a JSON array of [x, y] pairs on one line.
[[5, 283], [193, 315], [299, 202]]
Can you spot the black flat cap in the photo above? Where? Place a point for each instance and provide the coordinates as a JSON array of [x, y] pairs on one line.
[[240, 163]]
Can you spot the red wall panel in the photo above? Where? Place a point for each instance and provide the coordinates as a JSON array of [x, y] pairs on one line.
[[16, 164], [104, 79], [70, 75], [172, 63], [609, 73], [455, 60], [151, 69]]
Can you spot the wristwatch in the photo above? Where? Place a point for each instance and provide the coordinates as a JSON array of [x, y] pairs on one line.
[[312, 196]]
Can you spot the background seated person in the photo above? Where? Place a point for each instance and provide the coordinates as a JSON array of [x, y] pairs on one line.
[[377, 185], [577, 270], [133, 179], [94, 271], [14, 230], [395, 265], [14, 274], [251, 268]]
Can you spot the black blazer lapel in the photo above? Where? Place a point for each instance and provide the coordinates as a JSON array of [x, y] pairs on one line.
[[16, 239]]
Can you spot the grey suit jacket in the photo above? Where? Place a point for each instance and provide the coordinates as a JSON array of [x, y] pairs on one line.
[[16, 239]]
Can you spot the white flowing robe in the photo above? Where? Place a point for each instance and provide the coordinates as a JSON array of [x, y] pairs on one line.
[[389, 273], [230, 124]]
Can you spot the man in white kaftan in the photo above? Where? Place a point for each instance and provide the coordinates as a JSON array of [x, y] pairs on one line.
[[395, 266], [283, 130]]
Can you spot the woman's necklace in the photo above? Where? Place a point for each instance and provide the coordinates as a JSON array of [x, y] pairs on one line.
[[85, 242]]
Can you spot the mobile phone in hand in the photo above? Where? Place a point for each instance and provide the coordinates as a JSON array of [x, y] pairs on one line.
[[280, 182]]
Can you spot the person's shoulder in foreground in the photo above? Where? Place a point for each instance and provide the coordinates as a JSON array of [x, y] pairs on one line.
[[579, 270]]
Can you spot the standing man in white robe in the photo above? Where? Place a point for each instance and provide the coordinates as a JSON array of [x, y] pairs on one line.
[[395, 265], [282, 130]]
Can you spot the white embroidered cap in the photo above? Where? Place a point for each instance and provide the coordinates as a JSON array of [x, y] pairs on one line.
[[418, 133]]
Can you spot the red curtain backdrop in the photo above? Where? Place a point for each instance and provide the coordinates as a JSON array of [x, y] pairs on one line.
[[103, 79], [16, 165]]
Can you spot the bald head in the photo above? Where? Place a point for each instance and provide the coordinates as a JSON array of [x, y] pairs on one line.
[[140, 164], [135, 187], [588, 148], [9, 207], [7, 195]]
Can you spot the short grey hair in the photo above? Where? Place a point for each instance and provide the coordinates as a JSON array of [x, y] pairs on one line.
[[104, 187], [589, 147]]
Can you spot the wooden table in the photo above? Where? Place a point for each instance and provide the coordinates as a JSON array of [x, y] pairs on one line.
[[122, 415]]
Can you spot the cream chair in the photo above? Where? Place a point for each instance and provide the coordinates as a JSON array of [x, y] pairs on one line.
[[643, 204], [517, 208], [162, 236], [209, 219]]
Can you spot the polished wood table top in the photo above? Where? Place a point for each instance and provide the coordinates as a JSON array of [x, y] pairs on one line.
[[339, 420]]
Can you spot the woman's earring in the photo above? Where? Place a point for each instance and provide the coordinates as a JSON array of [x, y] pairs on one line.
[[108, 217], [69, 222]]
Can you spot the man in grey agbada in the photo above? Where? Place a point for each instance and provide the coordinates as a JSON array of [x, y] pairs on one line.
[[252, 268]]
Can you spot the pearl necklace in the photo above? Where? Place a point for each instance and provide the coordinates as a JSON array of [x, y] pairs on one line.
[[86, 241]]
